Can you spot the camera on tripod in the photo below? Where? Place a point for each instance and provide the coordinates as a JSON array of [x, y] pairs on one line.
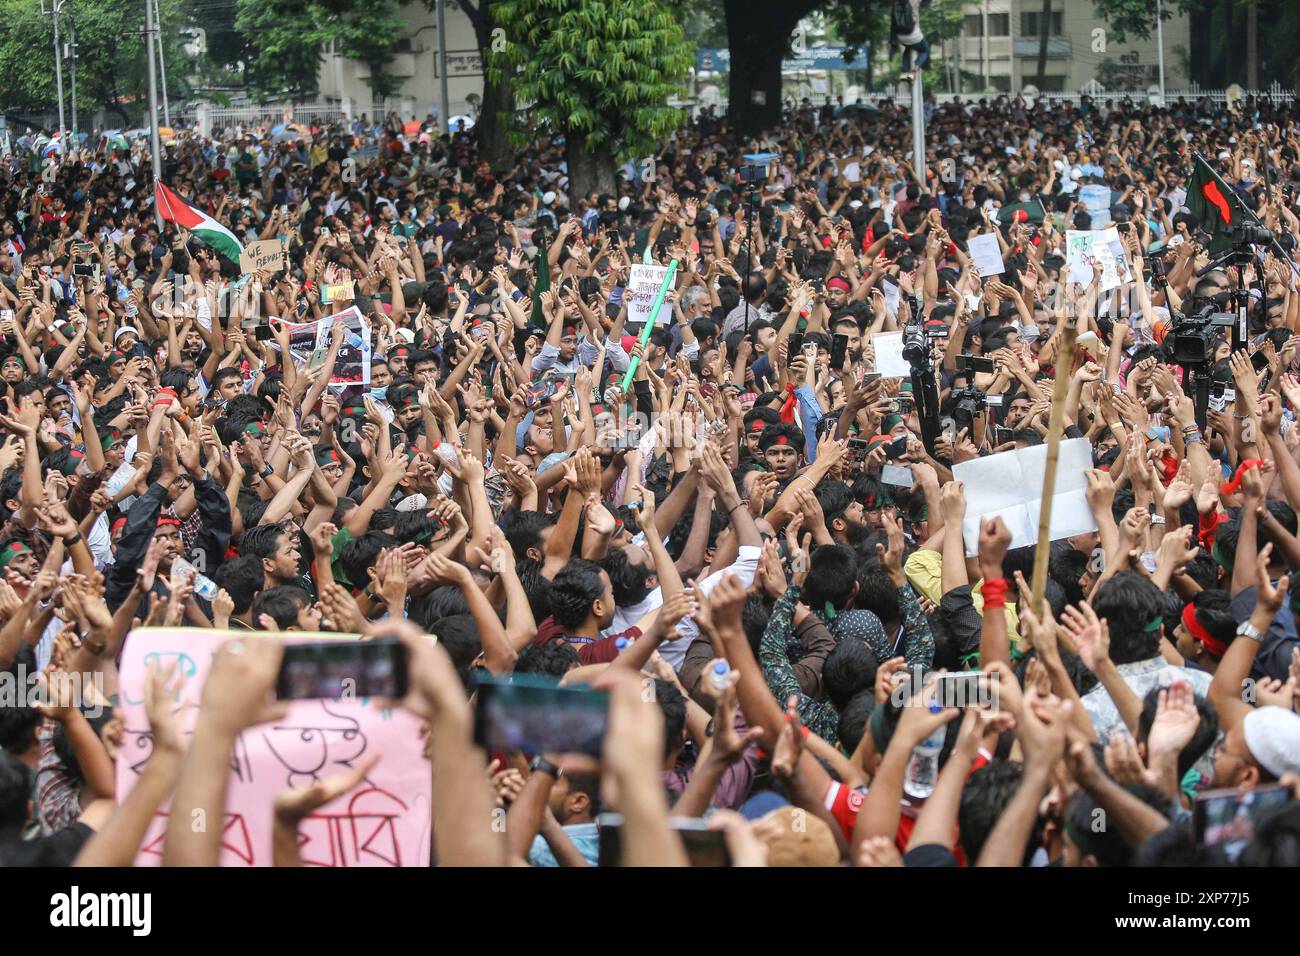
[[1251, 234], [1194, 337], [918, 345]]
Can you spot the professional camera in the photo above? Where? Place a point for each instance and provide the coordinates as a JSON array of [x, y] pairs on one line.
[[1193, 337], [753, 173], [916, 345], [1249, 233], [966, 405]]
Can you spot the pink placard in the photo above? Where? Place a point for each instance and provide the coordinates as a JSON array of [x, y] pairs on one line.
[[383, 821]]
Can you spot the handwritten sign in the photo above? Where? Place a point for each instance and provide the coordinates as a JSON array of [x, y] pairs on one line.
[[642, 286], [265, 254], [1100, 246], [383, 821]]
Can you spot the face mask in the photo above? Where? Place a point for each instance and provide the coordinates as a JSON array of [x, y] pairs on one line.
[[379, 394]]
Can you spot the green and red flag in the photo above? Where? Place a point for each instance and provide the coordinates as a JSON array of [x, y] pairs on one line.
[[176, 210], [1031, 212], [1215, 204]]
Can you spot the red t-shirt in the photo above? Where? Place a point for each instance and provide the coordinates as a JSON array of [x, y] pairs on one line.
[[844, 803]]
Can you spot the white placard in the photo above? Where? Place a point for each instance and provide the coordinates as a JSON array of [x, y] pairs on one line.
[[1083, 248], [642, 286], [1009, 485], [986, 254], [889, 355]]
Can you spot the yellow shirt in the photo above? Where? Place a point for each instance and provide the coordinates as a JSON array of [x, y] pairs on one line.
[[924, 570]]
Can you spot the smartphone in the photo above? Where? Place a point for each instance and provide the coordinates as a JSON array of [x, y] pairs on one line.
[[794, 347], [870, 377], [839, 350], [897, 448], [334, 670], [1227, 817], [539, 392], [263, 333], [1001, 435], [521, 712], [903, 405], [704, 847], [896, 475], [83, 270], [964, 689], [974, 363], [1259, 360], [858, 449]]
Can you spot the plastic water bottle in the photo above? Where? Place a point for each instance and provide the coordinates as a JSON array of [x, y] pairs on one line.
[[204, 587], [923, 768], [354, 340], [720, 675], [621, 643]]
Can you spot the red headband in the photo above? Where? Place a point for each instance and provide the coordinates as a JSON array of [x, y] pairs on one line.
[[163, 521], [1216, 647]]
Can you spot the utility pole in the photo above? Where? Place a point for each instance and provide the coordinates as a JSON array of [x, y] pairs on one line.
[[1160, 47], [444, 105], [162, 63], [918, 127], [55, 10], [154, 146], [72, 47]]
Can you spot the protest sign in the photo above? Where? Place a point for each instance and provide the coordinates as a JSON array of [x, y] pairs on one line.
[[339, 292], [352, 367], [383, 821], [642, 286], [889, 355], [986, 254], [265, 254], [1009, 485], [1102, 246]]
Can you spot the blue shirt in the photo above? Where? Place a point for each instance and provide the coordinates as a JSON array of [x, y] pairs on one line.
[[584, 836]]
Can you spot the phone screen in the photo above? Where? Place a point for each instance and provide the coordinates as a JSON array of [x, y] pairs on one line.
[[704, 847], [534, 715], [343, 669], [795, 346], [539, 392], [1227, 818], [897, 448]]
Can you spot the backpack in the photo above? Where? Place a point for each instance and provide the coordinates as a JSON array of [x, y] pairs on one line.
[[902, 21]]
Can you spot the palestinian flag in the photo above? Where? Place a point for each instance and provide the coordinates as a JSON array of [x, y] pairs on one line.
[[1030, 212], [176, 210], [1215, 204]]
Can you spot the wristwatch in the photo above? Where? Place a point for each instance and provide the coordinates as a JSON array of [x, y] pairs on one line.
[[540, 763], [1247, 629]]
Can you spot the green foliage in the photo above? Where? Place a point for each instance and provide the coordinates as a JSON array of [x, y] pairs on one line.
[[600, 68], [285, 38], [111, 62], [1137, 17]]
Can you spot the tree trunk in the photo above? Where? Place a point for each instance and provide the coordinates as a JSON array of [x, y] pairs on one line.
[[758, 33], [1252, 45], [495, 118], [591, 169], [1044, 21]]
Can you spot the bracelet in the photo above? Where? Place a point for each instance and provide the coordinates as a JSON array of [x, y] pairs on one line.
[[266, 472], [69, 542], [735, 506]]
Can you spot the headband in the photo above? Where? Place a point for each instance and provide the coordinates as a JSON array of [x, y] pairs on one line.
[[1212, 644]]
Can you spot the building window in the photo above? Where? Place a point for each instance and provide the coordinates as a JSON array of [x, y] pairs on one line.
[[972, 25], [999, 24], [1000, 83], [1050, 84], [1030, 23]]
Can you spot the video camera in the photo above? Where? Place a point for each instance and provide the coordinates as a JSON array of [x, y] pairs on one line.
[[1250, 233], [968, 403], [1193, 336], [918, 346]]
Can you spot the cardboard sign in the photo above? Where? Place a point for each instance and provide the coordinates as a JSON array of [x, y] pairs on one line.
[[1010, 485], [265, 254], [352, 366], [341, 291], [384, 821], [642, 286], [1102, 246]]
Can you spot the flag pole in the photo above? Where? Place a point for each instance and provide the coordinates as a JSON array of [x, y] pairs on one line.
[[1056, 424]]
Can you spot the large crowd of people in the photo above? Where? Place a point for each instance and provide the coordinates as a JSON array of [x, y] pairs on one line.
[[739, 529]]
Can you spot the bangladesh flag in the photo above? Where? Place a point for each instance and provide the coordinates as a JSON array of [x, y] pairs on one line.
[[1215, 204], [1030, 212], [176, 210]]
